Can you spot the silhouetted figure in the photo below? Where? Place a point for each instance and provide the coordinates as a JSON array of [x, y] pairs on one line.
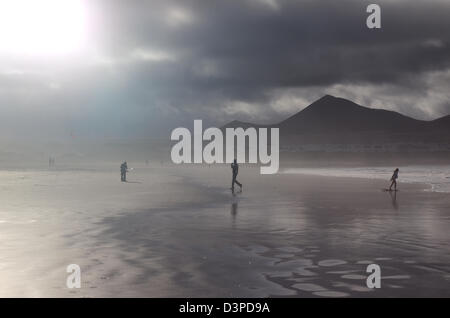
[[51, 162], [123, 171], [235, 171], [394, 180]]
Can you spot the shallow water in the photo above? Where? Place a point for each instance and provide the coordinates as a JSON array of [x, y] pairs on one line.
[[437, 177], [180, 232], [312, 240]]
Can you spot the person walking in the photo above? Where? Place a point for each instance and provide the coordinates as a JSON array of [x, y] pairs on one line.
[[394, 180], [235, 171]]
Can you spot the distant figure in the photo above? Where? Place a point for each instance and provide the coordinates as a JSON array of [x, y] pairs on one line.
[[235, 170], [394, 180], [123, 171]]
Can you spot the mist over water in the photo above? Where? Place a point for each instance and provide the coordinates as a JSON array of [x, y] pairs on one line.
[[437, 177]]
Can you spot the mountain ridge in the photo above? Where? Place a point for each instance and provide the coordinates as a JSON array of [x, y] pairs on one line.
[[350, 116], [334, 120]]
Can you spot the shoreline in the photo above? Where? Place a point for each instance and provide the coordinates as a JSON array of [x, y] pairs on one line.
[[414, 186], [179, 232], [262, 226], [435, 183]]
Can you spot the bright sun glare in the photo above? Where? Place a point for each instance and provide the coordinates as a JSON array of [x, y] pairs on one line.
[[42, 27]]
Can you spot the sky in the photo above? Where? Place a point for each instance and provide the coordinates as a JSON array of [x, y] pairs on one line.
[[112, 68]]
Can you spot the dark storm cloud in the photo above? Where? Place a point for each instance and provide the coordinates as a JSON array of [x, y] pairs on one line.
[[299, 43], [160, 63], [241, 49]]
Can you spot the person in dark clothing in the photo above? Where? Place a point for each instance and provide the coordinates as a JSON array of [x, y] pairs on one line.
[[394, 180], [123, 171], [235, 171]]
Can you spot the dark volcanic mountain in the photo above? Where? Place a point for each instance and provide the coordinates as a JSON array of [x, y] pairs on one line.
[[337, 115], [441, 124], [333, 121]]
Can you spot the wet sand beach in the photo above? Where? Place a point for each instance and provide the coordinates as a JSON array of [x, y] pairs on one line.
[[180, 232]]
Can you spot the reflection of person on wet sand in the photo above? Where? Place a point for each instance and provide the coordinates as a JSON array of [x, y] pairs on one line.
[[394, 180], [235, 170], [233, 212], [394, 199], [234, 208]]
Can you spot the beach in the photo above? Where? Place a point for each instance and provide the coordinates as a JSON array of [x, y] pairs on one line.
[[179, 232]]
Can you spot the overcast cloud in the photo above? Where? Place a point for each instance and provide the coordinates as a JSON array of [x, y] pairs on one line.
[[149, 66]]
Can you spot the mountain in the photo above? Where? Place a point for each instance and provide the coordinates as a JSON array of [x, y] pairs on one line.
[[332, 120], [442, 124], [337, 115]]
